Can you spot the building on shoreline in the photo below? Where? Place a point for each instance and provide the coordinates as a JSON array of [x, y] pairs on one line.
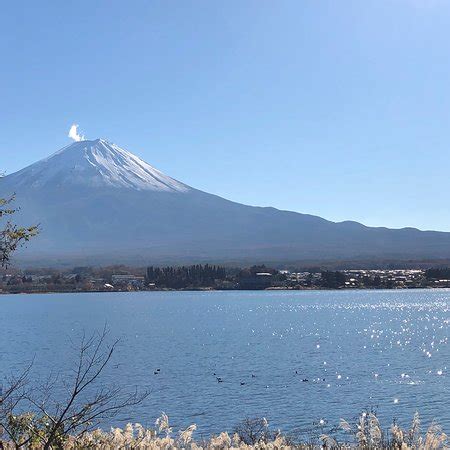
[[216, 277]]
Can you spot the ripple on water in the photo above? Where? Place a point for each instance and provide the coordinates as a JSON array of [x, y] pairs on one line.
[[293, 357]]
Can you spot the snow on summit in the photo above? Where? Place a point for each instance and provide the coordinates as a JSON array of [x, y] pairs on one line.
[[96, 163]]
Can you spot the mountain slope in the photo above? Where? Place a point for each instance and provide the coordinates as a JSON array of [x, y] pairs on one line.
[[99, 203]]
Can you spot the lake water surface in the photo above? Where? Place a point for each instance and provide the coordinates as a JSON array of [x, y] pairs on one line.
[[357, 349]]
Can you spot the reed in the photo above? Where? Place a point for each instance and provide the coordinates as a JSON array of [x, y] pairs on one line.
[[366, 433]]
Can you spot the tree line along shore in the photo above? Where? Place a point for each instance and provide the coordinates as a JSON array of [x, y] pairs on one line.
[[215, 277]]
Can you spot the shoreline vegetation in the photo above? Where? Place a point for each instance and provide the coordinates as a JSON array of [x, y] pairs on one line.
[[365, 432], [215, 278]]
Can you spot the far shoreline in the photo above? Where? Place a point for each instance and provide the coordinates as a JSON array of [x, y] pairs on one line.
[[318, 289]]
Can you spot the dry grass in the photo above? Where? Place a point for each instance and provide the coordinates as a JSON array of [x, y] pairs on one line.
[[365, 433]]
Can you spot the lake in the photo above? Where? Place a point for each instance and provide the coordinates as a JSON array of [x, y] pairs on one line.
[[387, 350]]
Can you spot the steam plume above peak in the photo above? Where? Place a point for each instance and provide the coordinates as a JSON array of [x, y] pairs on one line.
[[73, 133]]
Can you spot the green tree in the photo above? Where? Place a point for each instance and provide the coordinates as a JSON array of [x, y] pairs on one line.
[[12, 236]]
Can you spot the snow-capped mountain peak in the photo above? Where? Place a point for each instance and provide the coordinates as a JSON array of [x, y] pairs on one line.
[[98, 203], [96, 163]]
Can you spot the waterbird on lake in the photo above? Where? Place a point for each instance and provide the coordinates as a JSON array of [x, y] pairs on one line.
[[242, 383], [219, 380]]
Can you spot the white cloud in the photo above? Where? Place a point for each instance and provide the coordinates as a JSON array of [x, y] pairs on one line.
[[73, 133]]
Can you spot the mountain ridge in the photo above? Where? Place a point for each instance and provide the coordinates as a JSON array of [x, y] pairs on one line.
[[95, 200]]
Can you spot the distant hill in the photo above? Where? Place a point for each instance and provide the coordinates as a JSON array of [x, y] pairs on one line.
[[98, 203]]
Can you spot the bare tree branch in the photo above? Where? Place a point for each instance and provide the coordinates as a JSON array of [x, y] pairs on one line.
[[85, 406], [11, 396]]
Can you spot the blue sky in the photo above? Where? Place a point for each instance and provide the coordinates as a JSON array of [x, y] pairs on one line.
[[334, 108]]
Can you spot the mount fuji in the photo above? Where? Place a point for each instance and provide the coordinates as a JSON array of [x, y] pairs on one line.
[[97, 203]]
